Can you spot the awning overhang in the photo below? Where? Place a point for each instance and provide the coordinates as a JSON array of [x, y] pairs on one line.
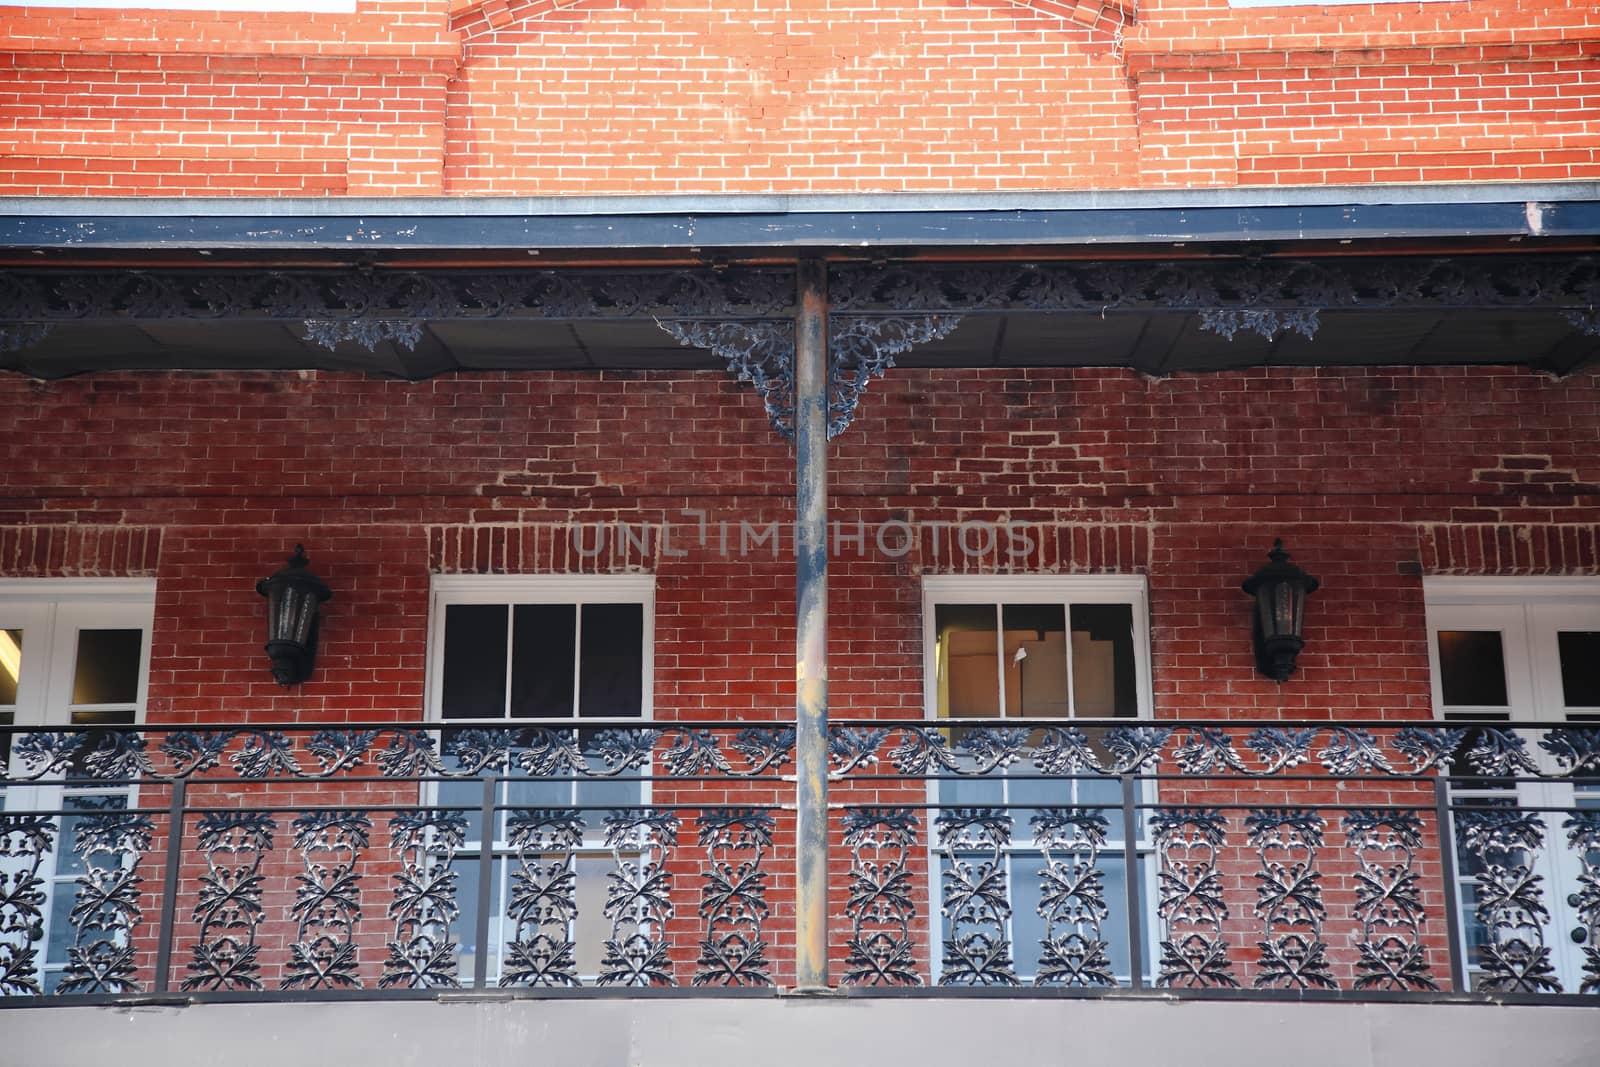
[[1202, 280]]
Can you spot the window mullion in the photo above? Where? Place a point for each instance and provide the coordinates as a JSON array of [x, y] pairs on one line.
[[1066, 650]]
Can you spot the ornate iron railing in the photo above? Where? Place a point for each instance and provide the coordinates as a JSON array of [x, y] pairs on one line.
[[1111, 857]]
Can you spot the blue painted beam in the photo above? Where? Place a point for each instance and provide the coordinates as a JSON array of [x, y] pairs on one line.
[[437, 225]]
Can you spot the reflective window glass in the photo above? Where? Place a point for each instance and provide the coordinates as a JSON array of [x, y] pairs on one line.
[[107, 668], [1472, 668]]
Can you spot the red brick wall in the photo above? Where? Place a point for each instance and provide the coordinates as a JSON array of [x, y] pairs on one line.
[[1371, 476], [617, 96]]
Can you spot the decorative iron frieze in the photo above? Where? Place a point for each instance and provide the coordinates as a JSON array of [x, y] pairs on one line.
[[1194, 954], [367, 333], [229, 908], [398, 752], [1510, 907], [976, 902], [327, 902], [1388, 899], [1289, 899], [882, 904], [26, 842], [422, 953], [733, 902], [543, 908], [1072, 898], [1221, 285], [639, 898]]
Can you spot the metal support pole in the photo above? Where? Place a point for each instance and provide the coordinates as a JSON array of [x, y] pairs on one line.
[[165, 929], [811, 628]]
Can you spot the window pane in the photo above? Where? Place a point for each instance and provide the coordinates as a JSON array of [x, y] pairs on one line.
[[475, 661], [1104, 677], [1580, 667], [544, 639], [611, 664], [107, 671], [1472, 668], [592, 926], [10, 664], [968, 654], [1035, 660]]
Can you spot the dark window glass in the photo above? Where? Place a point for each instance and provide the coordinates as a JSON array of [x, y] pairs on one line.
[[107, 670], [611, 663], [1580, 667], [1104, 677], [475, 661], [10, 664], [1472, 668], [543, 643]]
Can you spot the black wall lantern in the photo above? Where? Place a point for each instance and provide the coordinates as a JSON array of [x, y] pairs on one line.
[[293, 596], [1280, 589]]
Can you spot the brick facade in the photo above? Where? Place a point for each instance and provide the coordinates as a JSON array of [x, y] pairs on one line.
[[616, 96], [1372, 477]]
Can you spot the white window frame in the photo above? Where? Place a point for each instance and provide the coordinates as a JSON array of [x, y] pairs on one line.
[[1066, 589], [62, 606], [448, 589], [1522, 609]]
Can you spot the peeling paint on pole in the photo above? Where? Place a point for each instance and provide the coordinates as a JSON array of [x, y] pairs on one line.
[[811, 638]]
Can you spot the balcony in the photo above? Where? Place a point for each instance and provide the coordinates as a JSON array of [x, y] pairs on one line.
[[1169, 859]]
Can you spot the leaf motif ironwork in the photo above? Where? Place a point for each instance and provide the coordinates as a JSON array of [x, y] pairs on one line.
[[1388, 899], [543, 904], [638, 898], [1583, 837], [733, 903], [881, 905], [26, 842], [1289, 898], [1510, 905], [1190, 900], [327, 901], [975, 898], [105, 907], [228, 907], [422, 951], [1072, 898]]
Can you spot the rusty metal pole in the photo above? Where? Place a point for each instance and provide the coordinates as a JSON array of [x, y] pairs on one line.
[[811, 629]]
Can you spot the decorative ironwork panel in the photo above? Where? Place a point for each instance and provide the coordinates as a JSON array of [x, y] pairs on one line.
[[229, 910], [1072, 898], [399, 752], [882, 903], [327, 903], [639, 898], [422, 953], [1289, 898], [976, 899], [733, 904], [758, 353], [26, 842], [1510, 905], [105, 909], [1388, 900], [1583, 835], [1194, 954], [863, 347], [543, 905]]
